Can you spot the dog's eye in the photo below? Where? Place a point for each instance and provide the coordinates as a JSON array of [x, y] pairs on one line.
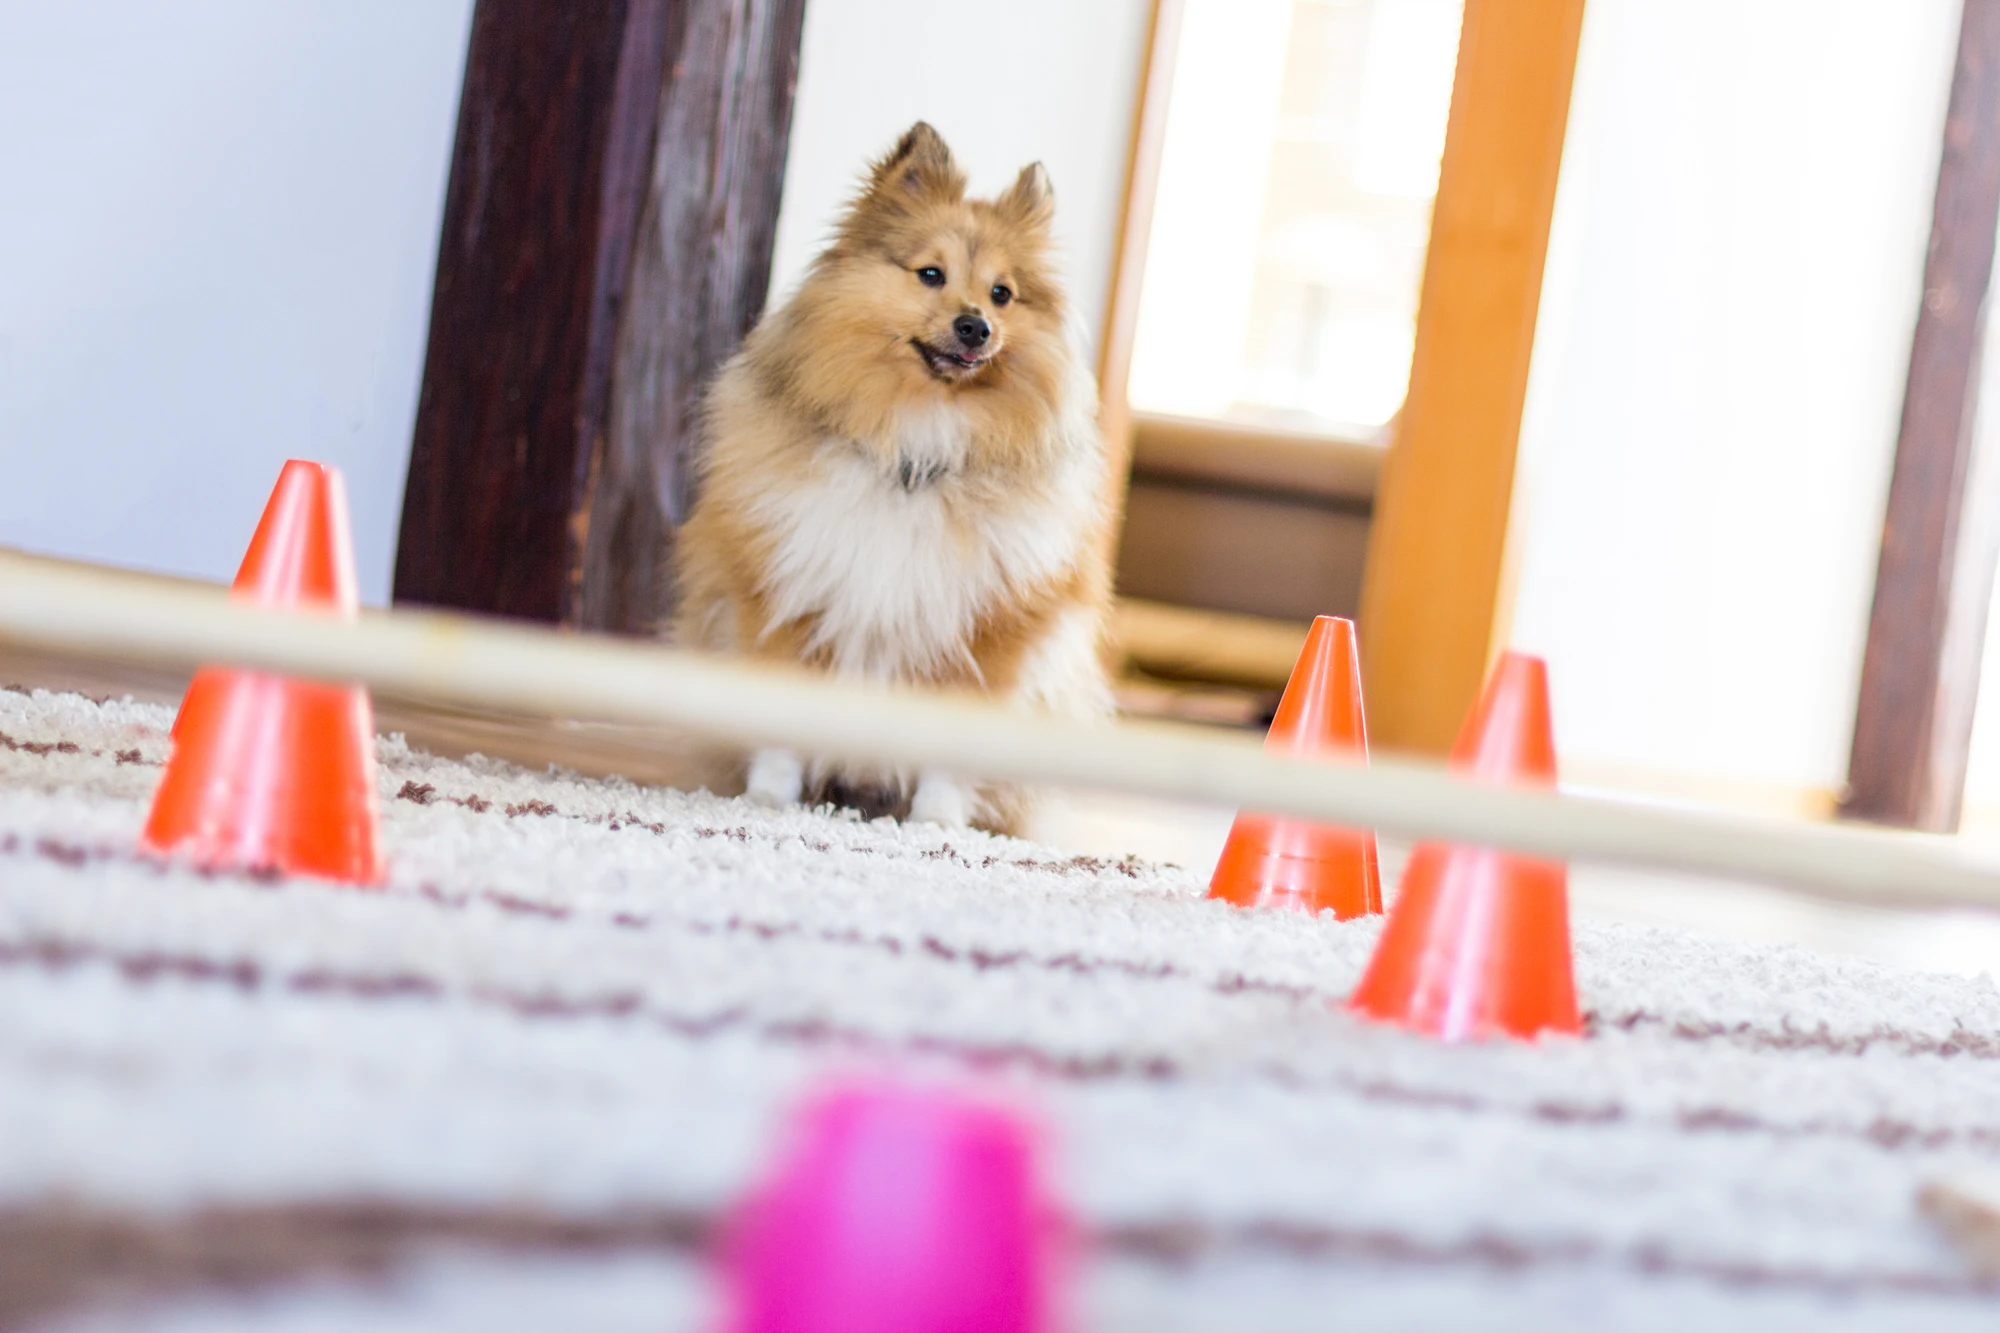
[[931, 276], [1002, 293]]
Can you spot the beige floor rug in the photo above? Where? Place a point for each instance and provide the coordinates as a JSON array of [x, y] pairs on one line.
[[517, 1087]]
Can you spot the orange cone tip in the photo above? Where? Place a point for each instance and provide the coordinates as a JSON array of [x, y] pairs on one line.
[[1272, 861], [269, 772], [1477, 942]]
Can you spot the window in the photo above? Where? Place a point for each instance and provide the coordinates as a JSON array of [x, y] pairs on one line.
[[1293, 208]]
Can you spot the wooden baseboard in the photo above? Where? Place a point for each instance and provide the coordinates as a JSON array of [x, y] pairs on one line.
[[1779, 799], [654, 757], [1183, 643]]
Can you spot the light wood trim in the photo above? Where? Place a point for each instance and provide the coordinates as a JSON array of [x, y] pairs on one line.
[[1185, 644], [533, 670], [1135, 230], [1639, 782], [1434, 593], [1236, 456]]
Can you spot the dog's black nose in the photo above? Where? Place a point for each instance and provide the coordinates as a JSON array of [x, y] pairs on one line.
[[972, 330]]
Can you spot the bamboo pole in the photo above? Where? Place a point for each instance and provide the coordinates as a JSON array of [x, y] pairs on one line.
[[458, 659]]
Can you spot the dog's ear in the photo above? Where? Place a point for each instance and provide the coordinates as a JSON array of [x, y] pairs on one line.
[[1030, 200], [919, 166]]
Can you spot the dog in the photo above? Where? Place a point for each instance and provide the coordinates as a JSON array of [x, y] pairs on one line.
[[901, 479]]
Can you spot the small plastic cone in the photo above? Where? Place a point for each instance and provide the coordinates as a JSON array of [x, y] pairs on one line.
[[269, 772], [897, 1211], [1271, 861], [1477, 941]]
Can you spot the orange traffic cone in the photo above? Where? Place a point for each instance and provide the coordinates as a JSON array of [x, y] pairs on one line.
[[269, 772], [1279, 862], [1477, 942]]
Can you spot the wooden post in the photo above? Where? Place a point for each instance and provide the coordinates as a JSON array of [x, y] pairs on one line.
[[699, 279], [1934, 578], [607, 236], [1434, 591]]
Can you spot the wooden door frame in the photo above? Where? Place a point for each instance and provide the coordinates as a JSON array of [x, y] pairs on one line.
[[1135, 228], [1438, 587], [1433, 607]]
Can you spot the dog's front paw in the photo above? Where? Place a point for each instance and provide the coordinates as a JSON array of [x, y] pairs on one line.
[[941, 799], [777, 778]]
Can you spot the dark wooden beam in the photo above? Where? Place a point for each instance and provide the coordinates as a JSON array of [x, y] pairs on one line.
[[607, 235], [555, 136], [1934, 578], [699, 277]]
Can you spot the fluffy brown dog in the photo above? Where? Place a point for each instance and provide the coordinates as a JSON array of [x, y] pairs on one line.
[[902, 477]]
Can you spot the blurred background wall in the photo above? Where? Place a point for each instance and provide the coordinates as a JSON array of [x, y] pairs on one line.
[[1725, 328], [215, 253]]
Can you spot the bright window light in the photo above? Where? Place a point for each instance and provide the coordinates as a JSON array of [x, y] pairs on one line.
[[1300, 162]]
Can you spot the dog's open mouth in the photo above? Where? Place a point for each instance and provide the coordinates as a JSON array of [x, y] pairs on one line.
[[947, 365]]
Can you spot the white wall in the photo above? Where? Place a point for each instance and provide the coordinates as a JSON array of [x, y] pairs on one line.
[[1725, 329], [1006, 84], [215, 253]]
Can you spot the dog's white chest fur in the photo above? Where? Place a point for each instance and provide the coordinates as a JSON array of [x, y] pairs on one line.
[[895, 568]]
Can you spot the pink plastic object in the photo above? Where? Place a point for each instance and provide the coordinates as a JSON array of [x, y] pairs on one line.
[[897, 1211]]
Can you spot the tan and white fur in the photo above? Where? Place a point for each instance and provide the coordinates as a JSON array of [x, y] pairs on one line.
[[902, 480]]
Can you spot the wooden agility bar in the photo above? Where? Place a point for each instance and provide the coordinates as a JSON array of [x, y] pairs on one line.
[[461, 660]]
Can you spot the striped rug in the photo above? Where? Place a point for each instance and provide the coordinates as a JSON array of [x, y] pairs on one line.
[[518, 1087]]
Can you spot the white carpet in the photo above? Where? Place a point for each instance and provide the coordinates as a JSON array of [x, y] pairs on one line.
[[586, 1002]]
